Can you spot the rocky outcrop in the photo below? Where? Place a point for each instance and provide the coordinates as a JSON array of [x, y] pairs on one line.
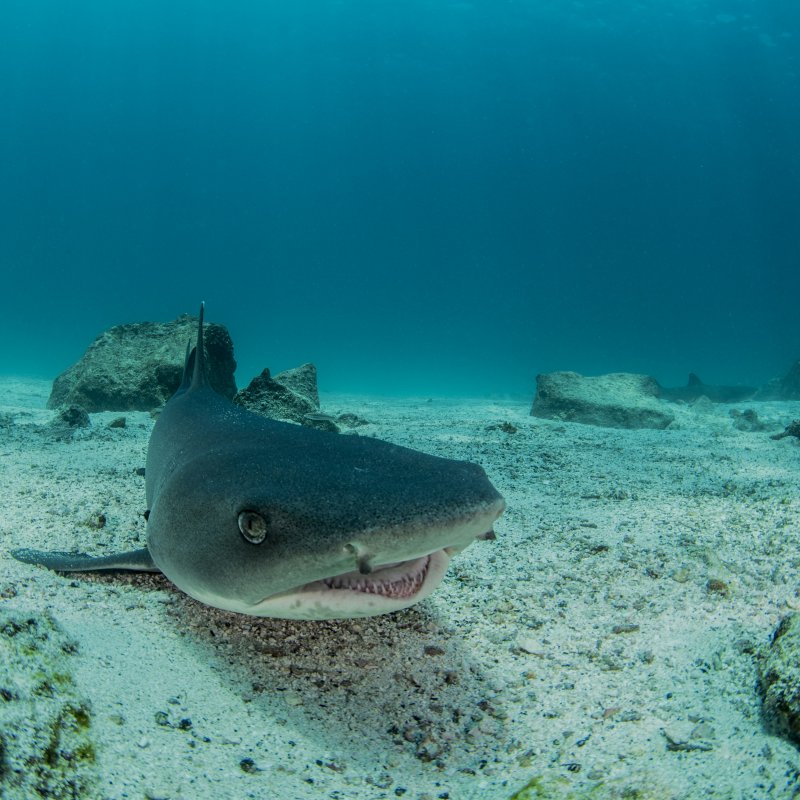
[[138, 367], [792, 429], [779, 674], [291, 395], [785, 388], [747, 420], [616, 400], [67, 422], [72, 417]]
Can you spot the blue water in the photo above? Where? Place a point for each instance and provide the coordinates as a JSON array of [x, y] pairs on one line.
[[419, 196]]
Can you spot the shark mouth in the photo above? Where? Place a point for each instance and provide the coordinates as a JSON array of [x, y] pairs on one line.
[[389, 587], [397, 581]]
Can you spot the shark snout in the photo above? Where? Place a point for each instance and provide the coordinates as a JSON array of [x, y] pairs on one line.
[[379, 549]]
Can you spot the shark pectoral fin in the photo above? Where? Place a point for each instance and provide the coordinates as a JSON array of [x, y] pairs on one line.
[[133, 560]]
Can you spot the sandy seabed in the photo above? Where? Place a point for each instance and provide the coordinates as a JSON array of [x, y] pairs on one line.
[[604, 645]]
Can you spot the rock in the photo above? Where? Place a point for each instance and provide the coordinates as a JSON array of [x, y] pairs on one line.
[[792, 429], [677, 743], [73, 417], [779, 676], [138, 367], [323, 422], [785, 388], [527, 644], [67, 422], [616, 400], [747, 421], [350, 420], [790, 383], [289, 395], [506, 427], [717, 586], [703, 406], [302, 381], [45, 723]]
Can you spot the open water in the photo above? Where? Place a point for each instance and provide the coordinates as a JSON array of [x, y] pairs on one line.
[[421, 197]]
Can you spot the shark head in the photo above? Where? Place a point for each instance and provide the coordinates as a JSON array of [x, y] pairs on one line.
[[298, 523]]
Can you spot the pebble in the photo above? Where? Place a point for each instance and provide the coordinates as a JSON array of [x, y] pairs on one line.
[[702, 731], [292, 699], [529, 645], [717, 586], [681, 575], [625, 627]]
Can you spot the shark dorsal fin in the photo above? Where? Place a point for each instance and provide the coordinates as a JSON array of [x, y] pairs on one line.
[[188, 368], [694, 380], [199, 352]]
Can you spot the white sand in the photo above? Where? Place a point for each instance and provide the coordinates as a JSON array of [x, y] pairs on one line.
[[566, 649]]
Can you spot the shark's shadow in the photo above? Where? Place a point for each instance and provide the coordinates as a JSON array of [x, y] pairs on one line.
[[407, 685], [402, 684]]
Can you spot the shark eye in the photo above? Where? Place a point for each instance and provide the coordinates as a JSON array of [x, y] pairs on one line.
[[253, 526]]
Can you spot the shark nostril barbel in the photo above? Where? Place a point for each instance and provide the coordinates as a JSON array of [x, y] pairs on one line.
[[363, 557], [364, 564]]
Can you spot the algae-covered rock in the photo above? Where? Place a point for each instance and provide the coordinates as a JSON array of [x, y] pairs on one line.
[[785, 388], [73, 417], [289, 395], [138, 367], [747, 420], [779, 673], [67, 422], [45, 744], [616, 400], [792, 429]]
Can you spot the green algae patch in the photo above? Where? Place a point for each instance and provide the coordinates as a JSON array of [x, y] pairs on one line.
[[538, 788], [46, 749], [779, 679]]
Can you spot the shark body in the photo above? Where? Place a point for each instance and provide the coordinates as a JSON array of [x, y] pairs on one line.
[[272, 519], [695, 388]]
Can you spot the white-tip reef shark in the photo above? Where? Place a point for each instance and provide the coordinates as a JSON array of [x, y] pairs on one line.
[[273, 519], [696, 389]]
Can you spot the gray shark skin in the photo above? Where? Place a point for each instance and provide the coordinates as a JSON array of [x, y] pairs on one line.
[[695, 389], [272, 519]]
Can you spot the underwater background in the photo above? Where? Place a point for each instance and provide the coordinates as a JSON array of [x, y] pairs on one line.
[[418, 196]]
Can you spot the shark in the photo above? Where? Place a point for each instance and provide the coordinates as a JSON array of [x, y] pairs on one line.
[[695, 388], [272, 519]]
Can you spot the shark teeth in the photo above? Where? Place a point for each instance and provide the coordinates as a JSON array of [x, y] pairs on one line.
[[398, 581]]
